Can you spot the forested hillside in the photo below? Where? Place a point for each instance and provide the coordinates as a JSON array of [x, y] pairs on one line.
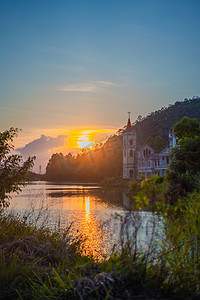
[[106, 160], [159, 122]]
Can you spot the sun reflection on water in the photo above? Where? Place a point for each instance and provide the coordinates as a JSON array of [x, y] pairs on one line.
[[87, 206], [76, 205]]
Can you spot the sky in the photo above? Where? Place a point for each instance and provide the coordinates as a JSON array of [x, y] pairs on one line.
[[75, 68]]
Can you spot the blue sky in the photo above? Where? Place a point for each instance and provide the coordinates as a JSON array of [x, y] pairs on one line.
[[84, 64]]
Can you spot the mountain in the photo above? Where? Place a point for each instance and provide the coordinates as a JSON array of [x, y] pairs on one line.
[[159, 122]]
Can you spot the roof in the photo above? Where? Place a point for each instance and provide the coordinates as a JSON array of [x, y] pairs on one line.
[[128, 126], [146, 146]]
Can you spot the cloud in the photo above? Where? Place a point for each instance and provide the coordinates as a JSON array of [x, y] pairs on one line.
[[10, 109], [91, 86], [42, 148]]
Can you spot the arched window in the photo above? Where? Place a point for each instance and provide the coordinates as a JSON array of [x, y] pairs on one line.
[[131, 152], [131, 173], [131, 142]]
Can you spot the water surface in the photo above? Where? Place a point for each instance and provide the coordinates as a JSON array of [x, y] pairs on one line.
[[91, 210]]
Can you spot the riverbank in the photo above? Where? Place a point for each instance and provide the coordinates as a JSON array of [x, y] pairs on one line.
[[37, 263], [117, 182], [108, 181]]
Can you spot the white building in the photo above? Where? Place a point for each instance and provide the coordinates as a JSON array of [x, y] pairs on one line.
[[129, 151], [143, 161]]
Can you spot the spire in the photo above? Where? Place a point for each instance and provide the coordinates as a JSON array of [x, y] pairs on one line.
[[128, 126]]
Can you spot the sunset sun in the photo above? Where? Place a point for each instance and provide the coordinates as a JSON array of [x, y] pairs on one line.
[[84, 142]]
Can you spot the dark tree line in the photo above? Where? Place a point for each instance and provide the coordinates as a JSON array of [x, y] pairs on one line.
[[93, 165]]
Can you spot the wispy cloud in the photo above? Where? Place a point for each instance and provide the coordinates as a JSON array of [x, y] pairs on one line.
[[91, 86], [10, 109]]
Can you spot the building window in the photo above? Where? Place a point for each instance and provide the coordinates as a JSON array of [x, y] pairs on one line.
[[131, 142], [131, 152], [131, 173], [167, 159], [125, 153], [144, 153]]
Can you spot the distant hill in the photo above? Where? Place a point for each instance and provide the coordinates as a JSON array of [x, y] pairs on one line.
[[159, 122], [106, 160]]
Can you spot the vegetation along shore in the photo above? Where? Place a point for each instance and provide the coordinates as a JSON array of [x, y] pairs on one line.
[[37, 263]]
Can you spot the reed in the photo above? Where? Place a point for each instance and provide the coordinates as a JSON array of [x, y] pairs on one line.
[[37, 263]]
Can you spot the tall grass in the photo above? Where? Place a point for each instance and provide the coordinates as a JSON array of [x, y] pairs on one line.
[[36, 263]]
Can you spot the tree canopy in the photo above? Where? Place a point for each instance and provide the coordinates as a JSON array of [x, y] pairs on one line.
[[184, 165], [12, 168], [157, 143], [187, 127]]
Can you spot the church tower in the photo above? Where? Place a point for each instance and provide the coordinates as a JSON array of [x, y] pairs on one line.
[[129, 151]]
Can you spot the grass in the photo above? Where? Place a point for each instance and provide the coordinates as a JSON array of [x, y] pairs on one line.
[[36, 263]]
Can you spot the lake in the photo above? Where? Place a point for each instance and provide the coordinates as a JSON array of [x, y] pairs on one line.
[[93, 212]]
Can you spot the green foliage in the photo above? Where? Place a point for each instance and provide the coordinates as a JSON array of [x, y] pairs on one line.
[[176, 262], [12, 168], [148, 193], [187, 128], [157, 144], [182, 248], [184, 164], [150, 141]]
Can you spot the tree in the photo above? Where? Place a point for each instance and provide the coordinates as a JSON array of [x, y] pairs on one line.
[[157, 144], [12, 168], [184, 165], [187, 127], [150, 141]]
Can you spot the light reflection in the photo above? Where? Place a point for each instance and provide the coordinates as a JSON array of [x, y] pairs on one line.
[[87, 206], [68, 206]]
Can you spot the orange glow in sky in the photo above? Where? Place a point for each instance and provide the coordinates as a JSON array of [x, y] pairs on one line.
[[80, 139], [44, 142]]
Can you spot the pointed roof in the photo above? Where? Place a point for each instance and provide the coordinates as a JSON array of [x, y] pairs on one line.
[[128, 126]]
